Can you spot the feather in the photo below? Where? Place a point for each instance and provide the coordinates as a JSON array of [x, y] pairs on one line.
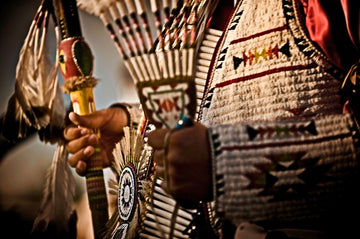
[[114, 219], [95, 7], [59, 191], [36, 103], [113, 186], [53, 130], [112, 224]]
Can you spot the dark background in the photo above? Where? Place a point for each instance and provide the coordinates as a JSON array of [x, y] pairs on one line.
[[23, 165]]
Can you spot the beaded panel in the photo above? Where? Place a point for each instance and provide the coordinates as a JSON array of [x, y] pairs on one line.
[[289, 173], [261, 72], [288, 162]]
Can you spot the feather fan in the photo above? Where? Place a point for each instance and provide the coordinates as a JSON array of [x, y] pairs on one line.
[[37, 102]]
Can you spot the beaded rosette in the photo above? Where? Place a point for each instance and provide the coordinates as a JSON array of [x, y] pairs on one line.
[[133, 186]]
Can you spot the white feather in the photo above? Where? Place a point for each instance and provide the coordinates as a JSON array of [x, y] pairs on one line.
[[36, 103], [94, 7], [59, 191]]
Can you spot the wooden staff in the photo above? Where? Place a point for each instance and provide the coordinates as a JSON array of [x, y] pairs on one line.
[[76, 65]]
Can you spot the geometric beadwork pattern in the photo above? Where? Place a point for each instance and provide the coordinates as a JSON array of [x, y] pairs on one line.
[[236, 20], [275, 162], [166, 102], [208, 99], [265, 176], [266, 53], [273, 131], [221, 58], [286, 175]]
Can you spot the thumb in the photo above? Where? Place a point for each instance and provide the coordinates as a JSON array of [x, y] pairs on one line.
[[91, 121]]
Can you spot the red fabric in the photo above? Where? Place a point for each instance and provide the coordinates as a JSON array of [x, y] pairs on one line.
[[335, 27], [221, 15], [69, 68]]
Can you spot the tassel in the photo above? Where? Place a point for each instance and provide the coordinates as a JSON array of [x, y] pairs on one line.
[[57, 204]]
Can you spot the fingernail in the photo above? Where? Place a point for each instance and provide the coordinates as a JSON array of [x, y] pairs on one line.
[[81, 168], [84, 131], [72, 117], [93, 139], [88, 151]]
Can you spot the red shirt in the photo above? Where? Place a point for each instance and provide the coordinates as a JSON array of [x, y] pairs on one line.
[[334, 26]]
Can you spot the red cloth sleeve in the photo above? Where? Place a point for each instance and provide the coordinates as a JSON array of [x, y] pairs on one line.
[[334, 26]]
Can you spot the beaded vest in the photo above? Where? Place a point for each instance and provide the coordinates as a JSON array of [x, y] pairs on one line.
[[282, 146]]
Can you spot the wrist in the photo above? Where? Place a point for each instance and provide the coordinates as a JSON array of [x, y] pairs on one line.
[[126, 115], [132, 112]]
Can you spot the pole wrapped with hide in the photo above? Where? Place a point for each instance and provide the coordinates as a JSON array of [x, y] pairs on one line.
[[76, 65]]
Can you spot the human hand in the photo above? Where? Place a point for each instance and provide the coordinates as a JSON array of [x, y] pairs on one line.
[[188, 163], [81, 140]]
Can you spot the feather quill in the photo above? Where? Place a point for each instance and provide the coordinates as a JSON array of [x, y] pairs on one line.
[[59, 191], [32, 105]]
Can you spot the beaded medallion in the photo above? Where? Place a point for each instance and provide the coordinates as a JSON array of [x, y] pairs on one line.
[[127, 193]]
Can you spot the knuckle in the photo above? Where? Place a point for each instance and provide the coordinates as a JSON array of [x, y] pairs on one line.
[[80, 171], [70, 148], [76, 144], [66, 133], [174, 162], [177, 139], [72, 160], [171, 157]]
